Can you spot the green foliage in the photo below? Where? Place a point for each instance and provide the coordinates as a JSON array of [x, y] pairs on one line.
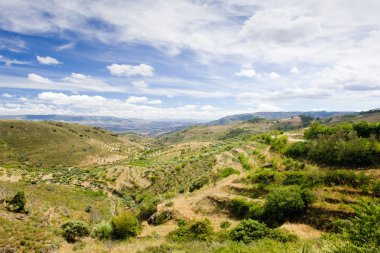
[[17, 203], [284, 203], [305, 120], [282, 235], [340, 225], [225, 172], [73, 231], [335, 146], [147, 206], [244, 161], [249, 230], [103, 230], [160, 218], [297, 150], [199, 183], [279, 143], [200, 230], [225, 224], [376, 188], [239, 207], [266, 176], [364, 230], [344, 177], [125, 225]]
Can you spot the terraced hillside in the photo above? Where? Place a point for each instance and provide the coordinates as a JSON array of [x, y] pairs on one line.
[[44, 144], [242, 187]]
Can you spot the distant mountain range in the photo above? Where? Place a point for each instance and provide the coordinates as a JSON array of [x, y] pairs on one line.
[[157, 127], [140, 126], [275, 115]]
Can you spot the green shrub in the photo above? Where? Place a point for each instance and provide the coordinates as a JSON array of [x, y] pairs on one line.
[[282, 235], [103, 230], [279, 143], [125, 225], [199, 183], [147, 207], [340, 225], [256, 212], [294, 178], [226, 172], [17, 203], [266, 176], [73, 231], [239, 207], [344, 177], [376, 188], [249, 230], [364, 230], [200, 230], [282, 204], [244, 161], [225, 224]]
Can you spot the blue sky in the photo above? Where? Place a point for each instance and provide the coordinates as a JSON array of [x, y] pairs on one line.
[[188, 59]]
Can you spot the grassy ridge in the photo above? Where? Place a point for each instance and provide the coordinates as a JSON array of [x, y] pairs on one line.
[[51, 143]]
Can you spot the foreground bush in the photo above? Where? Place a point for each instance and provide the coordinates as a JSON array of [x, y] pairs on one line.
[[17, 203], [125, 225], [200, 230], [363, 232], [73, 231], [103, 230], [285, 203], [249, 230], [242, 208]]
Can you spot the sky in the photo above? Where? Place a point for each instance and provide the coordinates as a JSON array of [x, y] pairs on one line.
[[199, 59]]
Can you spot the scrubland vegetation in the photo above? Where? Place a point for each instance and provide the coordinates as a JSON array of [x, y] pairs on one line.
[[242, 187]]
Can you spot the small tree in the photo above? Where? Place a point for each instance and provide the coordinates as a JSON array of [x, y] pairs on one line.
[[73, 231], [18, 202], [125, 225], [249, 230]]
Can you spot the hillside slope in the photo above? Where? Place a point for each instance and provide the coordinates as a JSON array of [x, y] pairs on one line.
[[53, 143]]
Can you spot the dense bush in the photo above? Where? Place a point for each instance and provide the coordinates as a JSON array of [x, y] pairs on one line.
[[279, 143], [147, 207], [284, 203], [103, 230], [281, 235], [266, 176], [125, 225], [244, 161], [225, 172], [338, 149], [344, 177], [297, 150], [199, 183], [73, 231], [239, 207], [17, 203], [363, 233], [376, 188], [200, 230], [294, 178], [249, 230]]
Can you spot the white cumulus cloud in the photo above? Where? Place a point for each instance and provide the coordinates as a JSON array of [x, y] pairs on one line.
[[48, 60], [38, 79], [130, 70]]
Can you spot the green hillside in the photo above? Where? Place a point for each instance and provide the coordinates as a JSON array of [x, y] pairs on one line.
[[241, 187], [53, 143]]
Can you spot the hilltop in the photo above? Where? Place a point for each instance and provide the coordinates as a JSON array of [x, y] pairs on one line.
[[44, 144]]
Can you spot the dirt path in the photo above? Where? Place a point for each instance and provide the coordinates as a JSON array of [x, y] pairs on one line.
[[196, 205]]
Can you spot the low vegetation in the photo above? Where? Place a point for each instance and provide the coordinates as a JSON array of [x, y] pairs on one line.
[[241, 187]]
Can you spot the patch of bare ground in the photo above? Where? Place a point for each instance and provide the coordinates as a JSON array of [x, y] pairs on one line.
[[303, 231]]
